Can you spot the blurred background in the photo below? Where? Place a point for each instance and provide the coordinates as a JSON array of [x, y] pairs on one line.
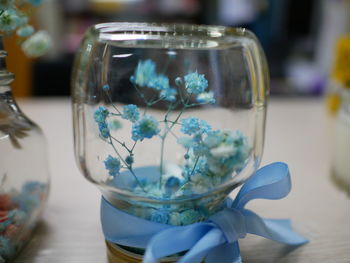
[[299, 37]]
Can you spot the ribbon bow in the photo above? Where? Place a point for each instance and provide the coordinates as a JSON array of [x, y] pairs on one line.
[[216, 240]]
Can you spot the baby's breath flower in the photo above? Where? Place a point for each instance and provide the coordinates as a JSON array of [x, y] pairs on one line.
[[189, 216], [112, 164], [227, 151], [174, 219], [145, 73], [25, 31], [9, 20], [206, 97], [19, 217], [6, 247], [114, 125], [159, 82], [195, 83], [168, 94], [160, 216], [131, 113], [37, 45], [101, 114], [186, 142], [104, 130], [193, 125], [146, 127]]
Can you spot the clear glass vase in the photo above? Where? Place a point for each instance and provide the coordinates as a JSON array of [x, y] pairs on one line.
[[341, 143], [169, 119], [24, 177]]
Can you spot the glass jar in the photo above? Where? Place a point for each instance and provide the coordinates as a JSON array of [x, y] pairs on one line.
[[340, 160], [24, 177], [168, 119]]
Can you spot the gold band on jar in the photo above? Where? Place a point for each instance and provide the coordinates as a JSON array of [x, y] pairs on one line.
[[116, 254]]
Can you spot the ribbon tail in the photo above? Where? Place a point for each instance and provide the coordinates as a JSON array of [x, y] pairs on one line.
[[274, 229], [175, 240], [225, 253], [211, 240], [270, 182]]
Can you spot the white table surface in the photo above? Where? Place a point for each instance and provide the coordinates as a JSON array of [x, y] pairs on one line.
[[297, 133]]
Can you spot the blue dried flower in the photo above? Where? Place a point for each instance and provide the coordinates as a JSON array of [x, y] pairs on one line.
[[6, 248], [9, 20], [146, 127], [27, 202], [186, 142], [195, 83], [189, 216], [104, 130], [32, 187], [106, 87], [34, 2], [112, 164], [193, 125], [195, 165], [131, 113], [114, 125], [206, 98], [19, 217], [37, 44], [160, 217], [160, 82], [5, 224], [25, 31], [168, 94], [101, 114], [145, 73], [227, 151], [174, 219]]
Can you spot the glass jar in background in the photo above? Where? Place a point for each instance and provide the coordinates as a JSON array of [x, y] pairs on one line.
[[341, 151], [24, 176], [168, 119]]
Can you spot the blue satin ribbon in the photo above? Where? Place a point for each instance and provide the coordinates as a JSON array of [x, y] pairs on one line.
[[215, 240]]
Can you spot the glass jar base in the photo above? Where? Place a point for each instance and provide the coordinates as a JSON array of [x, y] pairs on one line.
[[342, 183], [116, 254]]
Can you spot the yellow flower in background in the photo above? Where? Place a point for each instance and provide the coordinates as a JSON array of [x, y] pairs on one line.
[[341, 68]]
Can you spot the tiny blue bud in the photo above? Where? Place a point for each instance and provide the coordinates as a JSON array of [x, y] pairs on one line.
[[172, 183], [129, 160], [186, 156], [105, 87], [178, 81]]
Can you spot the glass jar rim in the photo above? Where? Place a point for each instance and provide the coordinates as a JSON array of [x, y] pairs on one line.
[[208, 36]]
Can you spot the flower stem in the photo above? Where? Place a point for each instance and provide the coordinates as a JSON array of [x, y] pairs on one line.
[[110, 100], [127, 165], [161, 161], [122, 144]]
